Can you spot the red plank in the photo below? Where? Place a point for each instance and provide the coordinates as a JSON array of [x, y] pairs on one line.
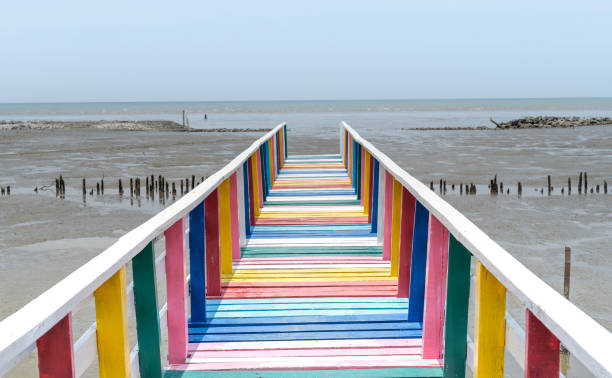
[[542, 349], [211, 226], [55, 351], [406, 233]]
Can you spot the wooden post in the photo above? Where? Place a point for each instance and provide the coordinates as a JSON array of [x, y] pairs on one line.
[[147, 313], [569, 186], [541, 349], [173, 190], [580, 183], [225, 227], [585, 183], [418, 264], [435, 290], [112, 328], [605, 187], [176, 293], [395, 227], [234, 215], [490, 325], [375, 191], [196, 263], [84, 187], [102, 185], [55, 350], [120, 188], [567, 272], [183, 118], [213, 256], [388, 216], [192, 181], [98, 188], [520, 189], [457, 304], [131, 187], [406, 238], [549, 186]]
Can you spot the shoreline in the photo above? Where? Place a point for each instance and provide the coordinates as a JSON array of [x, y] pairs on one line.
[[116, 125]]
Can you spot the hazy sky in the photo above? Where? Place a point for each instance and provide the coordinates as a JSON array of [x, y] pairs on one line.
[[54, 51]]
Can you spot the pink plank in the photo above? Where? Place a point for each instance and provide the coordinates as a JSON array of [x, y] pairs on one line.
[[55, 351], [435, 289], [542, 349], [321, 352], [176, 293], [309, 363], [388, 216], [406, 232], [307, 344], [211, 227], [258, 177], [234, 215]]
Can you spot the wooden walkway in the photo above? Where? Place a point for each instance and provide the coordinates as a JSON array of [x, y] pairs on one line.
[[310, 294]]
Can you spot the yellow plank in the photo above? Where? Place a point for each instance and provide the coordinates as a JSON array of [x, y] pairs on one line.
[[396, 216], [366, 184], [112, 329], [490, 325], [255, 172], [225, 227]]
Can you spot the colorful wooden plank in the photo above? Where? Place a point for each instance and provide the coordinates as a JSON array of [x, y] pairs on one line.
[[489, 332], [396, 217], [362, 178], [374, 200], [388, 216], [259, 181], [541, 349], [418, 263], [366, 184], [235, 223], [55, 351], [225, 227], [176, 293], [457, 303], [435, 289], [253, 189], [196, 262], [248, 198], [405, 248], [112, 328], [147, 313], [421, 372], [213, 250]]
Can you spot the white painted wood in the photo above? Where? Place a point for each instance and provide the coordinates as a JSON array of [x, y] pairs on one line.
[[312, 198], [241, 221], [21, 329], [85, 350], [582, 336], [380, 221], [289, 242]]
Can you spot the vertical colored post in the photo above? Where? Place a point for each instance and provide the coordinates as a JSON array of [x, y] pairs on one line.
[[55, 350], [489, 338], [147, 313], [375, 187], [395, 227], [355, 175], [418, 264], [542, 349], [213, 254], [196, 264], [285, 144], [388, 216], [405, 248], [253, 197], [234, 215], [176, 292], [345, 149], [380, 227], [272, 168], [111, 327], [457, 303], [366, 183], [435, 290], [225, 227], [370, 187], [247, 198], [358, 182], [240, 204], [260, 182], [362, 176]]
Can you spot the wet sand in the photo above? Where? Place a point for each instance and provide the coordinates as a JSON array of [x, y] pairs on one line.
[[45, 238]]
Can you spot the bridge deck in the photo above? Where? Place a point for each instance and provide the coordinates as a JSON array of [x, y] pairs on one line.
[[311, 294]]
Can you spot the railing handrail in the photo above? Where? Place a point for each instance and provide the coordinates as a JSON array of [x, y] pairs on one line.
[[586, 339], [21, 329]]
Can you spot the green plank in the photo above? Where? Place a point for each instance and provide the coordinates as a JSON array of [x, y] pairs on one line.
[[147, 316], [457, 301], [391, 372]]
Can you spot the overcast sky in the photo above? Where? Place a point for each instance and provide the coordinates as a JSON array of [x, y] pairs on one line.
[[55, 51]]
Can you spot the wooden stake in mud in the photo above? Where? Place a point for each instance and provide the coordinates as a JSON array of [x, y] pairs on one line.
[[597, 188], [431, 185], [192, 181], [120, 188], [131, 187], [569, 186], [57, 187], [549, 186], [97, 188], [580, 183], [501, 187], [147, 185], [182, 189], [585, 183], [84, 188], [102, 185], [461, 189], [605, 187], [8, 190], [520, 189], [173, 190]]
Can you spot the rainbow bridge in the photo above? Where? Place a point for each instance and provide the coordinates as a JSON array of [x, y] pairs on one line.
[[337, 265]]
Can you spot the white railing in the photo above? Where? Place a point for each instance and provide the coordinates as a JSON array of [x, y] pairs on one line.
[[586, 339], [20, 331]]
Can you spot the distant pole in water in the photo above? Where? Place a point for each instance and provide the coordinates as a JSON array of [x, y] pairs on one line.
[[520, 189], [84, 188], [102, 185], [8, 190], [605, 187], [192, 181], [569, 186], [580, 183], [549, 186], [585, 183], [205, 117]]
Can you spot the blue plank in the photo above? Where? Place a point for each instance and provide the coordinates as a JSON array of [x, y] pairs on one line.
[[316, 319], [332, 335], [375, 196], [197, 264], [311, 327], [247, 215], [419, 263], [310, 300]]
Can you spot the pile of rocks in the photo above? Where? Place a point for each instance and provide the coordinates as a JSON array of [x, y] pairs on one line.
[[550, 122]]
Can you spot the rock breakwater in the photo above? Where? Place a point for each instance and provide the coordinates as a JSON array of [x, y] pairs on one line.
[[543, 122]]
